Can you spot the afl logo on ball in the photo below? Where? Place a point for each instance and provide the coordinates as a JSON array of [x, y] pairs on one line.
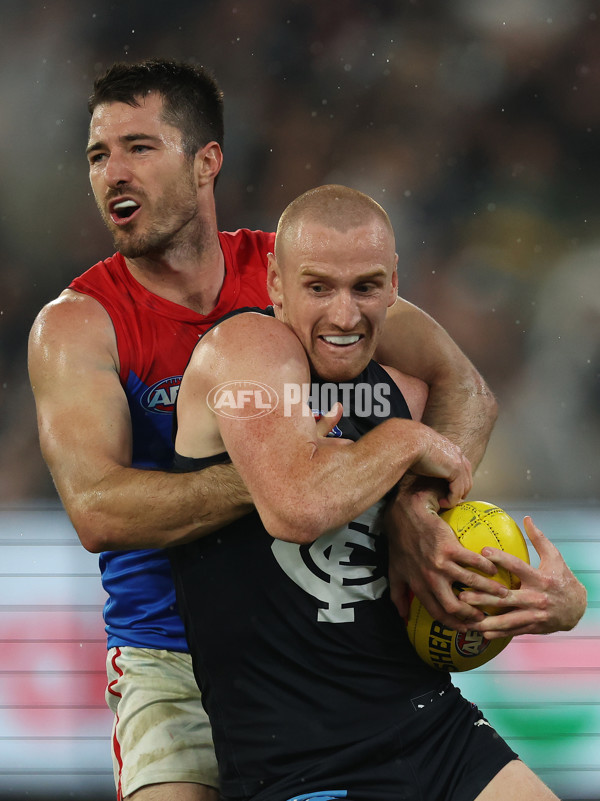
[[470, 643], [161, 397]]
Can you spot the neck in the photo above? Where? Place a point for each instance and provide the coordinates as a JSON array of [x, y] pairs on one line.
[[191, 276]]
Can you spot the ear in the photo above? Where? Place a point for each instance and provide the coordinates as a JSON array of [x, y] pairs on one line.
[[274, 281], [207, 163], [394, 287]]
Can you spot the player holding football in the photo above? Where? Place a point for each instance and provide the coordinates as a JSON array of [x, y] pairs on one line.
[[311, 685], [105, 363]]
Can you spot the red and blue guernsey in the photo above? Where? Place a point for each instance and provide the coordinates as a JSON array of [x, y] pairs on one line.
[[155, 338]]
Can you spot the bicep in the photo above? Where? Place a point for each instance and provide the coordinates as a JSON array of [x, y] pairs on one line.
[[268, 431], [83, 417], [414, 343]]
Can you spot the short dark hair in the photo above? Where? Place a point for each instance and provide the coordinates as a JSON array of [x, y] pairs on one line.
[[193, 101]]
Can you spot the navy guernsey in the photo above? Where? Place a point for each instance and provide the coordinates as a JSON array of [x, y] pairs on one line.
[[298, 650]]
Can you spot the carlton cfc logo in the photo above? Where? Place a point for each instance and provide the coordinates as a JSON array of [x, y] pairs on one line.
[[161, 397]]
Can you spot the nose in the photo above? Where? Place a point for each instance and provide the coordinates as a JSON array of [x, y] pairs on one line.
[[344, 312], [116, 170]]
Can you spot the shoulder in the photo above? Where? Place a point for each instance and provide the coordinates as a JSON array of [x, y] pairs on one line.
[[251, 331], [109, 270], [71, 307], [248, 236], [72, 321], [253, 246], [250, 345]]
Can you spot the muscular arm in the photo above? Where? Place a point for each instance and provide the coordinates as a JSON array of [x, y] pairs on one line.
[[460, 405], [424, 553], [85, 437], [302, 486]]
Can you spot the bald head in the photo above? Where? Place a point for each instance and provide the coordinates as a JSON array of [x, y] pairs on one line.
[[331, 206], [333, 277]]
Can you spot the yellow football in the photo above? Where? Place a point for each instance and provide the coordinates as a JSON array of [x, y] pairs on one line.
[[476, 524]]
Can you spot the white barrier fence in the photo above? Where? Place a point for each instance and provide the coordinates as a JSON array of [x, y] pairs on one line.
[[541, 693]]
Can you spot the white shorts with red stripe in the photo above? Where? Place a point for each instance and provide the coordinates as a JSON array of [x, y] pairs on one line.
[[161, 732]]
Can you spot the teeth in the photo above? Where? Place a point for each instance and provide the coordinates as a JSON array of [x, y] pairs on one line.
[[349, 339], [125, 204]]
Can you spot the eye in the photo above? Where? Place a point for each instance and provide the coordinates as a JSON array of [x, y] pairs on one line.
[[140, 148], [95, 158]]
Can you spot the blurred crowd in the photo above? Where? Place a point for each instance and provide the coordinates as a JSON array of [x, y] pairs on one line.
[[475, 124]]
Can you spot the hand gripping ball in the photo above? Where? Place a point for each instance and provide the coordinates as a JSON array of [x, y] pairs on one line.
[[476, 524]]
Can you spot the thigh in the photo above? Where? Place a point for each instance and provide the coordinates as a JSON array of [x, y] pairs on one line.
[[516, 780], [453, 750], [174, 792], [161, 733]]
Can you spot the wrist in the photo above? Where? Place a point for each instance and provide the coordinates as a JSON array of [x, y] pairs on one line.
[[422, 488]]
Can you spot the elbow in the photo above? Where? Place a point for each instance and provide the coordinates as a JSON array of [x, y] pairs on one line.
[[490, 409], [95, 530], [490, 403], [301, 528], [475, 386]]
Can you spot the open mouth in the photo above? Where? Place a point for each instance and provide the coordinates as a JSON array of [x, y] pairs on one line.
[[123, 210], [342, 340]]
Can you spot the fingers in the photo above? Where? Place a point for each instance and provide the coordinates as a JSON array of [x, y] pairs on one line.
[[510, 624], [509, 562], [461, 562], [473, 582], [400, 595], [446, 607], [475, 561], [486, 599], [328, 420], [538, 540], [460, 486]]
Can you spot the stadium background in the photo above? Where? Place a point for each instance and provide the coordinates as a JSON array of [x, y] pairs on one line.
[[476, 123]]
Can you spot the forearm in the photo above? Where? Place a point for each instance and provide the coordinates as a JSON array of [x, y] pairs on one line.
[[463, 409], [460, 405], [131, 509], [330, 485]]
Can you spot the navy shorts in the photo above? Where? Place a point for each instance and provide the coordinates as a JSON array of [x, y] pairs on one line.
[[443, 750]]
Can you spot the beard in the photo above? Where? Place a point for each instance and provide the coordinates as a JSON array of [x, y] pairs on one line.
[[150, 243], [172, 221]]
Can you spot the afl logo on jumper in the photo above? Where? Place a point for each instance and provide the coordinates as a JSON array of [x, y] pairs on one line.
[[161, 397], [340, 569]]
